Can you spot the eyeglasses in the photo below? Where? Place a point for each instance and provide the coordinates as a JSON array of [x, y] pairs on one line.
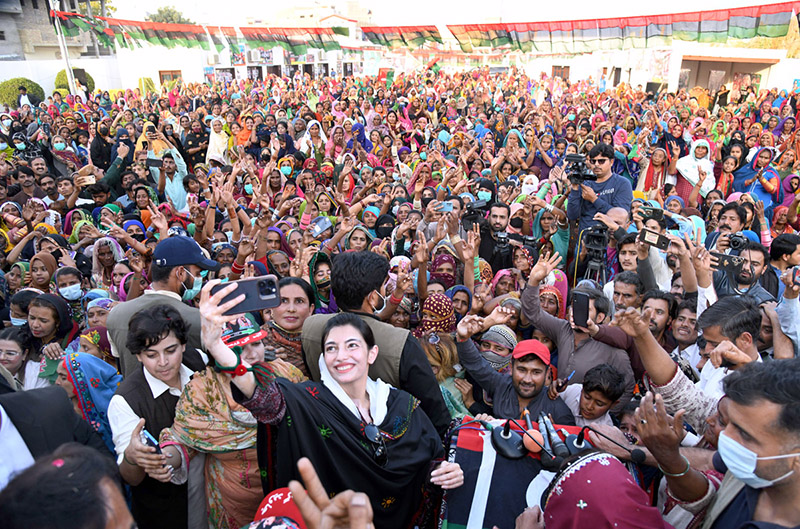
[[596, 161], [373, 434], [9, 354]]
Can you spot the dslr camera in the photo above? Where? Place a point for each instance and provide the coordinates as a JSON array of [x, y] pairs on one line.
[[737, 241], [577, 170]]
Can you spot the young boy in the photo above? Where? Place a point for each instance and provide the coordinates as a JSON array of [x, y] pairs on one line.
[[602, 387]]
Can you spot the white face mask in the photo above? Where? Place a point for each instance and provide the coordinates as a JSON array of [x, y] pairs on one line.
[[742, 462], [72, 292]]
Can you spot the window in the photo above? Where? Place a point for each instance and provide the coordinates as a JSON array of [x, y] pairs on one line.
[[2, 35], [35, 4], [168, 75], [561, 71]]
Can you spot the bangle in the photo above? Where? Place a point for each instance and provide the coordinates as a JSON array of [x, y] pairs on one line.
[[549, 207], [236, 268], [688, 467], [125, 458], [395, 301]]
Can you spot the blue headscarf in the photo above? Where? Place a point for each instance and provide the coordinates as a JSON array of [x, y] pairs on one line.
[[95, 383], [360, 136], [451, 293]]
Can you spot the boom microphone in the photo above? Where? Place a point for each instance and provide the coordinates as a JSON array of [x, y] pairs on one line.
[[577, 443]]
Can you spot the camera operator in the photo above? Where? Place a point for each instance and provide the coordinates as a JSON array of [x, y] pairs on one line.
[[495, 248], [610, 190], [756, 260], [731, 221]]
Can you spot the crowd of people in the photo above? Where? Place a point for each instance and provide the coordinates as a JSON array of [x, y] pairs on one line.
[[448, 248]]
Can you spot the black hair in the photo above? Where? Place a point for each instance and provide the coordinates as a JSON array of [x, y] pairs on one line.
[[457, 198], [348, 318], [68, 271], [302, 283], [629, 409], [151, 325], [69, 482], [23, 298], [629, 277], [777, 382], [687, 304], [189, 178], [99, 187], [606, 379], [662, 222], [18, 336], [783, 244], [740, 211], [500, 205], [168, 155], [601, 302], [602, 149], [627, 239], [756, 247], [160, 273], [734, 315], [354, 275], [672, 303]]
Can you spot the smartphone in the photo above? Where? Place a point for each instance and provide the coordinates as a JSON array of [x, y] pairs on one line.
[[650, 212], [153, 162], [227, 169], [318, 228], [730, 263], [260, 293], [654, 239], [580, 308], [445, 206], [57, 254], [796, 275], [149, 440]]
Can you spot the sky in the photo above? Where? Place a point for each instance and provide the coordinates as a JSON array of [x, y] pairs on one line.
[[411, 12]]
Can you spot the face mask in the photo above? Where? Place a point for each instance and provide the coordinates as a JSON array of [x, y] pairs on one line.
[[6, 123], [570, 117], [423, 156], [59, 146], [248, 188], [379, 307], [286, 170], [742, 461], [190, 293], [20, 146], [229, 235], [72, 292], [322, 285], [3, 146], [528, 189], [396, 177], [516, 223], [484, 195], [18, 322]]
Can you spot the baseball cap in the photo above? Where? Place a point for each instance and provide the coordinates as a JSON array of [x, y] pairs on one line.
[[532, 347], [278, 509], [180, 250], [242, 331]]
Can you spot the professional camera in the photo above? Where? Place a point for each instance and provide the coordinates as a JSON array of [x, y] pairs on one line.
[[595, 240], [474, 213], [502, 239], [737, 241], [577, 170]]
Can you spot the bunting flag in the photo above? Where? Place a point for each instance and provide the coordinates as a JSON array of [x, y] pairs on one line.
[[580, 36], [295, 40], [397, 36]]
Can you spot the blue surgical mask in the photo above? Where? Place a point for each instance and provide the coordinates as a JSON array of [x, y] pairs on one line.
[[7, 123], [286, 170], [3, 146], [190, 293], [248, 188], [18, 322], [423, 155], [72, 292], [571, 117], [20, 146], [229, 235], [59, 146], [484, 195], [742, 462]]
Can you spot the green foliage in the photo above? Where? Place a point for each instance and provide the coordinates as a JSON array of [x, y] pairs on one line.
[[9, 90], [63, 84], [168, 15], [146, 85]]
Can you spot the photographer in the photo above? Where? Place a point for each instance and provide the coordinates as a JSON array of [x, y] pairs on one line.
[[756, 260], [610, 190], [494, 247]]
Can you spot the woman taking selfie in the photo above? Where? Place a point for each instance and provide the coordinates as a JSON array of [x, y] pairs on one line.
[[353, 429]]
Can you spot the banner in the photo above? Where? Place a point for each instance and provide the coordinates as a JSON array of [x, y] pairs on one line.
[[397, 36], [580, 36]]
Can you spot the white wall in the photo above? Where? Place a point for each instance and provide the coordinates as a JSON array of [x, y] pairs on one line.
[[105, 71]]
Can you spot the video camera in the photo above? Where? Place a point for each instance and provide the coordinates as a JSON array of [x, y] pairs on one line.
[[595, 240], [474, 213], [737, 241], [577, 170]]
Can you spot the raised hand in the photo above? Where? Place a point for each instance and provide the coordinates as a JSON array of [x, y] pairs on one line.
[[469, 325], [543, 267], [633, 322], [726, 354]]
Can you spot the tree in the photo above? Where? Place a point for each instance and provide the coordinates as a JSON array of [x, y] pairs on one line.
[[168, 15]]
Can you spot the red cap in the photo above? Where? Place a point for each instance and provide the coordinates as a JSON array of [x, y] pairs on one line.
[[279, 504], [532, 347]]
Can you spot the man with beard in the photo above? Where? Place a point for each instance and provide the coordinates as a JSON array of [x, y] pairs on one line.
[[784, 253], [498, 256], [731, 220], [663, 310], [684, 332], [628, 290], [48, 185], [745, 282], [530, 368]]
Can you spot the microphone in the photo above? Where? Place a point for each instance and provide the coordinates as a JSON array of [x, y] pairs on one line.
[[534, 435], [538, 445], [559, 448], [507, 442], [576, 443]]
